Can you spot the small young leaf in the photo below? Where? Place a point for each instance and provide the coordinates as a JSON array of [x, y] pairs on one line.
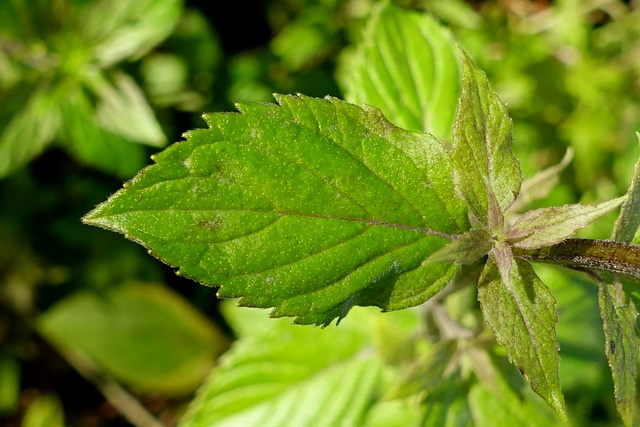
[[486, 173], [311, 206], [408, 67], [464, 249], [547, 226], [521, 311], [619, 322]]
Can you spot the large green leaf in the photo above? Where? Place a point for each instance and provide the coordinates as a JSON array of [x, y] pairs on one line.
[[486, 172], [521, 311], [311, 206], [407, 66], [279, 374], [142, 334]]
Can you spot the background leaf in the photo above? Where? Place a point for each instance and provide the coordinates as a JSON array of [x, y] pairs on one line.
[[122, 29], [148, 337], [486, 172], [29, 131], [407, 66], [311, 206], [285, 375]]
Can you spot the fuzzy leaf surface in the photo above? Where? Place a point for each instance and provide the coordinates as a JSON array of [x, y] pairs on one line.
[[310, 206], [547, 226], [407, 66], [619, 323], [619, 312], [487, 174], [521, 311], [465, 248]]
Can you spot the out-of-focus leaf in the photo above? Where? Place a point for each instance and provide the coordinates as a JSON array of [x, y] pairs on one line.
[[29, 131], [285, 375], [124, 29], [123, 109], [92, 144], [343, 217], [45, 411], [487, 175], [408, 67], [541, 184], [10, 384], [143, 334], [447, 406]]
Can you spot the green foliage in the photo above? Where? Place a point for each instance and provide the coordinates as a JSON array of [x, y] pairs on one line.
[[150, 338], [242, 188], [409, 194], [65, 87]]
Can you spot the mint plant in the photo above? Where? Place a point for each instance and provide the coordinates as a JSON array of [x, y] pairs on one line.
[[314, 206]]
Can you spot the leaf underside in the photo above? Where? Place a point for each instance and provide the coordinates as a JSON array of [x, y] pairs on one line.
[[311, 206]]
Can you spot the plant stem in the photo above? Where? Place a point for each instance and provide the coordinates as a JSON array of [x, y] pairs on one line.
[[588, 254]]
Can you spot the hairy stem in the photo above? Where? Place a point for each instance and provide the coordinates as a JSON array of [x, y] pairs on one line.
[[587, 254]]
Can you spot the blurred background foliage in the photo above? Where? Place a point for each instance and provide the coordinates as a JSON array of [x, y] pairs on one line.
[[90, 88]]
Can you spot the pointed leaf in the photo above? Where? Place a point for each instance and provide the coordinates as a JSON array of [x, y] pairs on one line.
[[521, 311], [464, 249], [619, 322], [282, 374], [486, 172], [408, 67], [547, 226], [311, 206]]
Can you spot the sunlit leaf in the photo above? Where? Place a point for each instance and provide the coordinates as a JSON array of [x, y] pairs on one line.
[[487, 174], [408, 67], [521, 311], [547, 226], [282, 374], [311, 206], [619, 317]]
